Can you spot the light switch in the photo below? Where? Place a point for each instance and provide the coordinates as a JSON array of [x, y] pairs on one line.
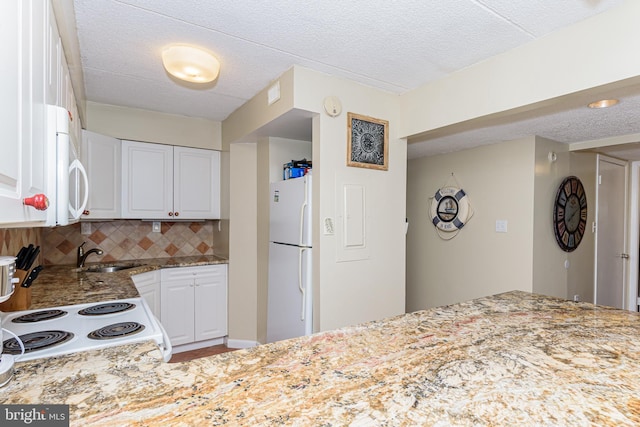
[[501, 226], [155, 228], [328, 226]]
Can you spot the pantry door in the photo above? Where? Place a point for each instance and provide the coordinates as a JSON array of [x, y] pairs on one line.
[[611, 253]]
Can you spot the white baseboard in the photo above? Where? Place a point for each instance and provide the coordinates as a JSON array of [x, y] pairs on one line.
[[231, 343], [197, 345]]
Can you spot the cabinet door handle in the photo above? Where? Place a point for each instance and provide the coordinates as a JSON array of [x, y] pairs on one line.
[[38, 201], [177, 213], [170, 213], [86, 212]]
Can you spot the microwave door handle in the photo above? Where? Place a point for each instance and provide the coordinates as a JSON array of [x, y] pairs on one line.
[[76, 213]]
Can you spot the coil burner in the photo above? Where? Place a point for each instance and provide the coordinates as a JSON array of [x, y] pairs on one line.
[[39, 316], [36, 341], [116, 330], [106, 308]]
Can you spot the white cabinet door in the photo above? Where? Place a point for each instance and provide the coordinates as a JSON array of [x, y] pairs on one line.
[[148, 286], [194, 303], [22, 108], [102, 158], [210, 303], [12, 87], [54, 46], [176, 312], [165, 182], [196, 191], [147, 180]]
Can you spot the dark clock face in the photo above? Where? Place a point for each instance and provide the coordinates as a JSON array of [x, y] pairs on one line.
[[570, 214]]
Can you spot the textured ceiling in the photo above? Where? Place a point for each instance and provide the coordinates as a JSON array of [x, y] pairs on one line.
[[395, 46]]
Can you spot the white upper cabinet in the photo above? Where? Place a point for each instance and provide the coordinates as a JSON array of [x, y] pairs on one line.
[[170, 183], [54, 57], [147, 180], [102, 157], [196, 180], [22, 106]]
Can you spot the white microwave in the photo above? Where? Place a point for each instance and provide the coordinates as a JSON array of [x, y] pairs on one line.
[[68, 186]]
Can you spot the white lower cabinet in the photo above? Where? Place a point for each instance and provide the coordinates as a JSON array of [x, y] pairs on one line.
[[193, 303], [148, 286]]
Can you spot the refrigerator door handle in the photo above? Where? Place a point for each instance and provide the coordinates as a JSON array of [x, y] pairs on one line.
[[301, 234], [302, 290]]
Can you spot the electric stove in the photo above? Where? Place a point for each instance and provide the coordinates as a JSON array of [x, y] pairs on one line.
[[69, 329]]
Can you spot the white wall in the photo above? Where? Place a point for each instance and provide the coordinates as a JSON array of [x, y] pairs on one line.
[[549, 272], [350, 292], [499, 182], [580, 280], [149, 126], [243, 250]]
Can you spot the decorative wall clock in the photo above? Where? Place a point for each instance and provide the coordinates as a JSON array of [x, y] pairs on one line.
[[570, 213]]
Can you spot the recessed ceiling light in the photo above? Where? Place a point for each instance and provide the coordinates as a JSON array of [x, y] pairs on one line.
[[604, 103]]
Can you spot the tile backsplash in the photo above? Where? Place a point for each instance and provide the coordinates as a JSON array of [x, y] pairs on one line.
[[12, 239], [128, 239]]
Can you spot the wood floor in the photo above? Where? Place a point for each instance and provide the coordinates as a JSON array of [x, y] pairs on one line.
[[201, 352]]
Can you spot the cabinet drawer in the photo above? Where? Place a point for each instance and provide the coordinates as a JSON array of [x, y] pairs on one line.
[[189, 272]]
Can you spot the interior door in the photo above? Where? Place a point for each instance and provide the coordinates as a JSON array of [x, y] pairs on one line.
[[610, 232]]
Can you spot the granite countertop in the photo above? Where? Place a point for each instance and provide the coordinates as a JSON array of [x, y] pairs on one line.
[[510, 359], [67, 285]]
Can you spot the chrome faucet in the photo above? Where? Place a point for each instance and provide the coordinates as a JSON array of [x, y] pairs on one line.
[[82, 255]]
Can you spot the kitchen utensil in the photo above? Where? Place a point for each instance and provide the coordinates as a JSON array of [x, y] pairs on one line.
[[20, 257], [24, 258], [7, 279], [32, 276], [31, 257]]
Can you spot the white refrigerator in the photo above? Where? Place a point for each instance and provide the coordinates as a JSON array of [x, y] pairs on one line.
[[289, 295]]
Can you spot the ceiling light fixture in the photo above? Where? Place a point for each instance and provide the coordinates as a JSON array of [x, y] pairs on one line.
[[603, 103], [190, 63]]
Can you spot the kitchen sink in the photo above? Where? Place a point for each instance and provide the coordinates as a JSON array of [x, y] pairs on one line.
[[110, 268]]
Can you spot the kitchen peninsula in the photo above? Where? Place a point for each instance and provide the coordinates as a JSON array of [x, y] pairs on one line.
[[510, 359]]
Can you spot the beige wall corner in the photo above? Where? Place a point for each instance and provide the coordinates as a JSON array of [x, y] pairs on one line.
[[257, 112]]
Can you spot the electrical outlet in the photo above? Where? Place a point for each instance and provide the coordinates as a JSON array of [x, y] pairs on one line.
[[155, 227], [85, 228]]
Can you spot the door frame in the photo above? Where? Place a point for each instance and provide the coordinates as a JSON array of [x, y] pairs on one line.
[[626, 279], [634, 237]]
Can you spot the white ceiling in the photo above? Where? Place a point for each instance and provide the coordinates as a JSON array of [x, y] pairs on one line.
[[395, 46]]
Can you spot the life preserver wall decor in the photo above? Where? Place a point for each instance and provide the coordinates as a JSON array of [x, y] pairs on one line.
[[450, 211]]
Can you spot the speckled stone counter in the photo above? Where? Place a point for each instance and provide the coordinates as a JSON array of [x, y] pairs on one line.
[[511, 359], [66, 285]]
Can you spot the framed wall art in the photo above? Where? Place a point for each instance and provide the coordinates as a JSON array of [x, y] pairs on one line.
[[367, 142]]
